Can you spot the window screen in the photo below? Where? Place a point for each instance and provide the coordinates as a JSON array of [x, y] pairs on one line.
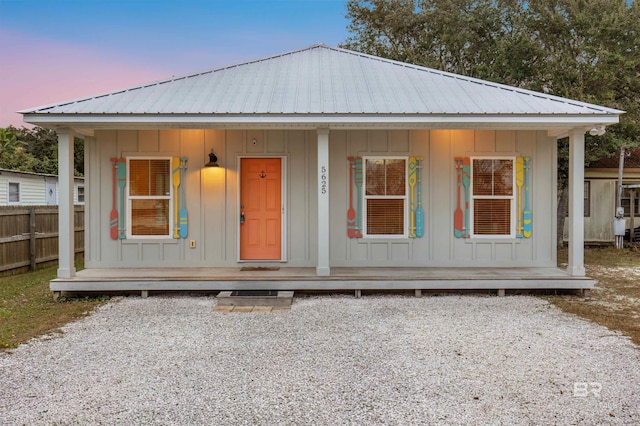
[[149, 196], [493, 196], [385, 196]]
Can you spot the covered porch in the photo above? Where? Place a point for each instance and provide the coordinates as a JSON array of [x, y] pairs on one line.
[[342, 278]]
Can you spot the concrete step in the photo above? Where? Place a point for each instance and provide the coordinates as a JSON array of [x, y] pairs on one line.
[[255, 298]]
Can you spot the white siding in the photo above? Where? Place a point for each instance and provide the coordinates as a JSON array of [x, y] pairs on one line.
[[31, 188], [598, 226]]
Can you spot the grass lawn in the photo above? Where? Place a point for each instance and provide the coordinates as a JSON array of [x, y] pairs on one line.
[[615, 301], [27, 308]]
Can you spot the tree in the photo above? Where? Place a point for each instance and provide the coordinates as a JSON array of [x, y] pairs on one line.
[[35, 150], [585, 50]]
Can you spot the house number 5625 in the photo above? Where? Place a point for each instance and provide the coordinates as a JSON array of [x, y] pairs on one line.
[[323, 179]]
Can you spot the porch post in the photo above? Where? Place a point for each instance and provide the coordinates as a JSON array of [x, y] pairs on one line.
[[322, 268], [66, 249], [576, 203]]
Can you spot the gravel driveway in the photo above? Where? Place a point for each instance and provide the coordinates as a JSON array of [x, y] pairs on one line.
[[330, 361]]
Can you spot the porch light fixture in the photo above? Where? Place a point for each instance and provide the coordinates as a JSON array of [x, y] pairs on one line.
[[597, 130], [213, 160]]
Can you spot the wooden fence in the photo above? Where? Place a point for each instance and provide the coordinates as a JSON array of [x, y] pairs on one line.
[[29, 235]]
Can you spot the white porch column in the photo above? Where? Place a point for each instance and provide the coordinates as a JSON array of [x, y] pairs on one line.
[[322, 268], [66, 249], [576, 203]]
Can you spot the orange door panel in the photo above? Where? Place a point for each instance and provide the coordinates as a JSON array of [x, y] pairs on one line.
[[261, 207]]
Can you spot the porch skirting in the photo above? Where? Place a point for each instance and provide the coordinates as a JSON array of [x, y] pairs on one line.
[[219, 279]]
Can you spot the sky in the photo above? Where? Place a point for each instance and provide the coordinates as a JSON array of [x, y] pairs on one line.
[[56, 50]]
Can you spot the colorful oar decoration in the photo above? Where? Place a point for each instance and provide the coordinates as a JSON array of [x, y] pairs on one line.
[[175, 179], [458, 216], [121, 170], [419, 210], [461, 213], [527, 219], [519, 184], [412, 185], [358, 179], [466, 182], [351, 212], [184, 221], [113, 216]]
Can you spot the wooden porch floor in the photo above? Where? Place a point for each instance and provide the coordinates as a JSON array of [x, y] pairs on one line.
[[218, 279]]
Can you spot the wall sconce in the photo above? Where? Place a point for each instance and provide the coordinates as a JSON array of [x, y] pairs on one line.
[[597, 130], [213, 160]]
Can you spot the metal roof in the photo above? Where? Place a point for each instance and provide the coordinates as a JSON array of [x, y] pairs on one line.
[[322, 81]]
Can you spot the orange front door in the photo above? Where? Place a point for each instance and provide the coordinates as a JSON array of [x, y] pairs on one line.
[[260, 209]]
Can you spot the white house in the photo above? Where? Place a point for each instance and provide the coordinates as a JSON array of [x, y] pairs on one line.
[[600, 197], [34, 189], [339, 169]]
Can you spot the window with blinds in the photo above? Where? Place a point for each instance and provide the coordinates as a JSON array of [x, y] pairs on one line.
[[493, 196], [385, 193], [149, 197]]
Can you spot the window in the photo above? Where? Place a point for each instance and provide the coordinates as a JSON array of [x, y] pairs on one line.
[[587, 198], [626, 200], [385, 196], [493, 196], [149, 197], [14, 192], [80, 194]]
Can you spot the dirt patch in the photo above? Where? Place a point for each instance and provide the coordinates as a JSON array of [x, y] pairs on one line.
[[615, 300]]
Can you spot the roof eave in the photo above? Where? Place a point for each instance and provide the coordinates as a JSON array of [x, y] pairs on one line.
[[310, 121]]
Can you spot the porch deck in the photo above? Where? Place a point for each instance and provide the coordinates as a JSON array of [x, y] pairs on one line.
[[219, 279]]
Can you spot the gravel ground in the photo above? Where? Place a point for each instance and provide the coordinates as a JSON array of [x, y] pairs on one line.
[[330, 361]]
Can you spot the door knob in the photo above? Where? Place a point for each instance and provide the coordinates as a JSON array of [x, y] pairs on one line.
[[241, 217]]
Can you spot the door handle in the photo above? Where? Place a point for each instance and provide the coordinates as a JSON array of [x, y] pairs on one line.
[[241, 218]]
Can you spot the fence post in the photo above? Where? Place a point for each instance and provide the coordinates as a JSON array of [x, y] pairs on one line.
[[32, 238]]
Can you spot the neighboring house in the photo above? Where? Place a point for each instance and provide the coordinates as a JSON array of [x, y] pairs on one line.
[[600, 197], [343, 170], [34, 189]]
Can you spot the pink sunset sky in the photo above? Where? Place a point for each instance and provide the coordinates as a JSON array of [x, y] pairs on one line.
[[52, 51]]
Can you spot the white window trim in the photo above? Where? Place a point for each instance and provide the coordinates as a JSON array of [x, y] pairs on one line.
[[129, 197], [84, 194], [9, 192], [365, 197], [513, 198]]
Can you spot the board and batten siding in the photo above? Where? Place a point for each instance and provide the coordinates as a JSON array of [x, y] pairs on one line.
[[213, 206]]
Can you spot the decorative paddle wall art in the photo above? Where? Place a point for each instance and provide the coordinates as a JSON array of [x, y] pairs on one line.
[[121, 166], [461, 212], [466, 183], [419, 210], [412, 188], [358, 179], [527, 218], [416, 212], [351, 212], [184, 221], [458, 215], [175, 179], [114, 216]]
